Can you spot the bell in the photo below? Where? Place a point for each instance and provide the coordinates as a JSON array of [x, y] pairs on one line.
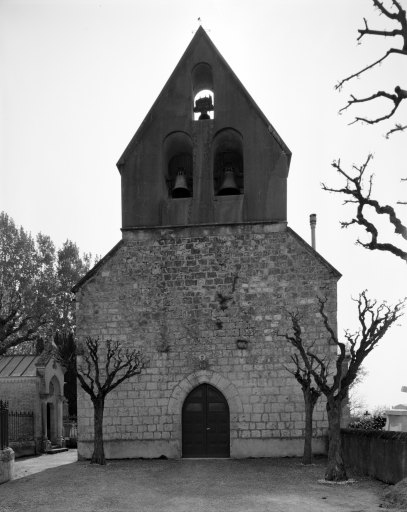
[[203, 105], [180, 188], [229, 187]]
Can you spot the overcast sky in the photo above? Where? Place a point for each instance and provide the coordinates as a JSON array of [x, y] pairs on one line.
[[77, 78]]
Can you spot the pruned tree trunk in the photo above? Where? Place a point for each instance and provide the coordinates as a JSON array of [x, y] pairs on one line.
[[98, 456], [375, 320], [309, 409], [335, 470]]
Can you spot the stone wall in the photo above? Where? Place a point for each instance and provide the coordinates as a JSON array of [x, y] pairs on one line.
[[381, 454], [22, 394], [185, 296]]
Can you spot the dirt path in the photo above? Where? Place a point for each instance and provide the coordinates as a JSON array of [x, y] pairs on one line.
[[30, 465], [251, 485]]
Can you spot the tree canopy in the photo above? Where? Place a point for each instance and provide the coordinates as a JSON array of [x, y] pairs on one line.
[[35, 284]]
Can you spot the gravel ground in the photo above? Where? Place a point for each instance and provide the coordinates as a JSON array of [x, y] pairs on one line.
[[218, 485], [397, 494]]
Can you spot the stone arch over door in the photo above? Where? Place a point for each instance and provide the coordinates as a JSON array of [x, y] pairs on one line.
[[52, 410], [183, 388]]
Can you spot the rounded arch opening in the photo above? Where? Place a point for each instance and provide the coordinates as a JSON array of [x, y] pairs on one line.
[[53, 411], [228, 169], [178, 169], [203, 92]]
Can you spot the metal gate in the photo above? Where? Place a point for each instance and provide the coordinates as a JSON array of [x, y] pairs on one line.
[[3, 425]]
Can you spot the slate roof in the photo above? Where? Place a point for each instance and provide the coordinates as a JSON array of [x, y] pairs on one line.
[[18, 366]]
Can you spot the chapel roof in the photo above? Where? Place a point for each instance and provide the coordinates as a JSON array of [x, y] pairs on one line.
[[18, 366]]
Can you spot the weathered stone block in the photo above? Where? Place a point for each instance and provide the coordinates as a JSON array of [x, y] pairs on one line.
[[6, 465]]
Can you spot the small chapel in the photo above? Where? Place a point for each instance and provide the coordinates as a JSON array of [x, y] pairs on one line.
[[202, 279]]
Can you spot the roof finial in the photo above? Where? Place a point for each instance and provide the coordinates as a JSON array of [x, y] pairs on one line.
[[199, 20]]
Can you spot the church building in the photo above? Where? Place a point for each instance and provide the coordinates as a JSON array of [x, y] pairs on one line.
[[202, 280]]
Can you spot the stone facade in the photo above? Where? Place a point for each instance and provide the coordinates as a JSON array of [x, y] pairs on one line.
[[203, 278], [185, 295]]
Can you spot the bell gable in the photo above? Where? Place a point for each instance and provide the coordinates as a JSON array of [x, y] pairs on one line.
[[205, 153]]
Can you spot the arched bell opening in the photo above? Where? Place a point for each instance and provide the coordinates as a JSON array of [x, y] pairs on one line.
[[203, 92], [178, 165], [228, 171]]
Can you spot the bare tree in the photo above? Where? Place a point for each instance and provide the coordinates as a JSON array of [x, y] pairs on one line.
[[101, 371], [397, 15], [355, 193], [310, 391], [330, 376], [356, 190]]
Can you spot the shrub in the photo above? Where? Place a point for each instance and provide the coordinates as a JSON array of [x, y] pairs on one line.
[[369, 423]]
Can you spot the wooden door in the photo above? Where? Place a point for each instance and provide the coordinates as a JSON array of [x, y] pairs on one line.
[[205, 423]]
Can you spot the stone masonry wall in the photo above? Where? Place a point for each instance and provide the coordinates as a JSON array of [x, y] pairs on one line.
[[185, 296], [22, 394]]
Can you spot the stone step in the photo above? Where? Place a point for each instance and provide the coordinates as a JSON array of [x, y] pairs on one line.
[[56, 449]]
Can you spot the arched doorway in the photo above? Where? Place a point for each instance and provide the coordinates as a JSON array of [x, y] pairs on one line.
[[52, 413], [205, 423]]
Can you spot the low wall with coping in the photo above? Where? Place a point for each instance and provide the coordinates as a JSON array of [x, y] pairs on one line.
[[377, 453], [24, 448], [6, 465]]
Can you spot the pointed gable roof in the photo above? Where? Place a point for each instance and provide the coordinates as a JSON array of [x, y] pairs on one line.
[[201, 37]]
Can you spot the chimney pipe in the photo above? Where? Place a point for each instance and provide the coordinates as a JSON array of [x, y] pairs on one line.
[[313, 223]]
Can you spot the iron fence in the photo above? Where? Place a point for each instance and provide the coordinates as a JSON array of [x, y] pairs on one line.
[[71, 433], [21, 426], [71, 429], [3, 424]]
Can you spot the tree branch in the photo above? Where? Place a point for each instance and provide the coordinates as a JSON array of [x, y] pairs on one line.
[[374, 321], [353, 190], [391, 15], [397, 98], [308, 358], [385, 33], [339, 85], [399, 16], [397, 128], [130, 362]]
